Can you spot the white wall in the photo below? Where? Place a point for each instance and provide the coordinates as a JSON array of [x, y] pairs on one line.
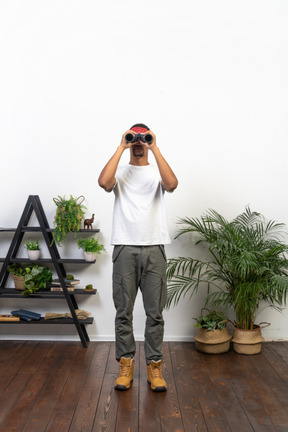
[[208, 77]]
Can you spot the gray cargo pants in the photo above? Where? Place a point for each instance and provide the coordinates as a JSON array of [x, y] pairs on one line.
[[141, 267]]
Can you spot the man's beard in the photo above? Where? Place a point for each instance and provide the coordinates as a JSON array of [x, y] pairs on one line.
[[138, 150]]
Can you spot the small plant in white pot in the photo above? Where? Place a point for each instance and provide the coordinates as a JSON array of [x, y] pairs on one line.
[[91, 247], [33, 249]]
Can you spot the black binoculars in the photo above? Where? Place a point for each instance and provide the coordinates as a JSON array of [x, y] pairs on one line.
[[130, 138]]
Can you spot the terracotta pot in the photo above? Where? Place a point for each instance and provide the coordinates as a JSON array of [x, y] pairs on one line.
[[212, 341], [247, 341]]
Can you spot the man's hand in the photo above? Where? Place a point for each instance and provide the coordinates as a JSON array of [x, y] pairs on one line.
[[153, 144], [124, 143]]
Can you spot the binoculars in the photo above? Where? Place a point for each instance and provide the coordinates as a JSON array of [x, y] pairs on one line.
[[130, 138]]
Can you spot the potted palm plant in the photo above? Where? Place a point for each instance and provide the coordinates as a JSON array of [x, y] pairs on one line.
[[246, 269], [212, 336], [91, 247]]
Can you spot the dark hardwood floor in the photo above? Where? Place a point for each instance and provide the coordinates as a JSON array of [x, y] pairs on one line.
[[60, 386]]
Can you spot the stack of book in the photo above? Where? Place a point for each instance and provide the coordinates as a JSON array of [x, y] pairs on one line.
[[26, 315], [70, 284], [9, 317]]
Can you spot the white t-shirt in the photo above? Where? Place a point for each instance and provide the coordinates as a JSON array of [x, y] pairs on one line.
[[139, 216]]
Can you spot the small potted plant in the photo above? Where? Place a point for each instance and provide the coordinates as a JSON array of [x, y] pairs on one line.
[[18, 272], [69, 214], [30, 278], [89, 288], [212, 336], [33, 249], [91, 247]]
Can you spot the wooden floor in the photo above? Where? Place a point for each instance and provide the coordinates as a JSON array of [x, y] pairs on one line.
[[60, 386]]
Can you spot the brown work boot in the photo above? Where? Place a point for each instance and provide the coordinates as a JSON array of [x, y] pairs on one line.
[[125, 376], [154, 376]]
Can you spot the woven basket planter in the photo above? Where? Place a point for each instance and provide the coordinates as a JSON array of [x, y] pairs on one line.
[[212, 341], [247, 341], [19, 282]]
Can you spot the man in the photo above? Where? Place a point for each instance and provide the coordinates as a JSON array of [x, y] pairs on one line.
[[139, 233]]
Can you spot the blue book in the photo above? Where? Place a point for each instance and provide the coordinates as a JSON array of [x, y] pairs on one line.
[[26, 315]]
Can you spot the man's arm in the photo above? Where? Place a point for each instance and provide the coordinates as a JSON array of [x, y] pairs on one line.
[[169, 180], [107, 177]]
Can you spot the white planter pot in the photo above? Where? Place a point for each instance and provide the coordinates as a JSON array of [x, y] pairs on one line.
[[33, 254], [90, 256]]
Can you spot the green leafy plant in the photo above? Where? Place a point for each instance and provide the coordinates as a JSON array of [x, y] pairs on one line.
[[17, 269], [35, 277], [90, 245], [32, 245], [69, 214], [89, 287], [246, 266], [214, 320]]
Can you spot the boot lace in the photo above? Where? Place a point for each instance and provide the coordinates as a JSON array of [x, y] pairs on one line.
[[156, 372], [124, 370]]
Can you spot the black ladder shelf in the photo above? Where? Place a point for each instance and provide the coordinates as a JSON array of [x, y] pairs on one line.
[[34, 204]]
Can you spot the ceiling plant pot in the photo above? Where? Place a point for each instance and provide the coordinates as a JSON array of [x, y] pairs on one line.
[[247, 341], [212, 335]]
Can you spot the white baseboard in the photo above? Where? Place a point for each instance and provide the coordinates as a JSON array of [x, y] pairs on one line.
[[107, 338]]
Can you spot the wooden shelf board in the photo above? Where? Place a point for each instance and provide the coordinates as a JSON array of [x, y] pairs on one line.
[[13, 293], [38, 229], [50, 321], [49, 260]]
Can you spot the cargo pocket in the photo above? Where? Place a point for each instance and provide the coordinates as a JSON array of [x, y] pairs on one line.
[[118, 296], [163, 293]]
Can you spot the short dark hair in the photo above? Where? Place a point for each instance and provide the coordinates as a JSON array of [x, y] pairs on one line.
[[140, 125]]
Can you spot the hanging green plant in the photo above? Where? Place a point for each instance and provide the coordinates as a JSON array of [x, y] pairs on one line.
[[69, 214]]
